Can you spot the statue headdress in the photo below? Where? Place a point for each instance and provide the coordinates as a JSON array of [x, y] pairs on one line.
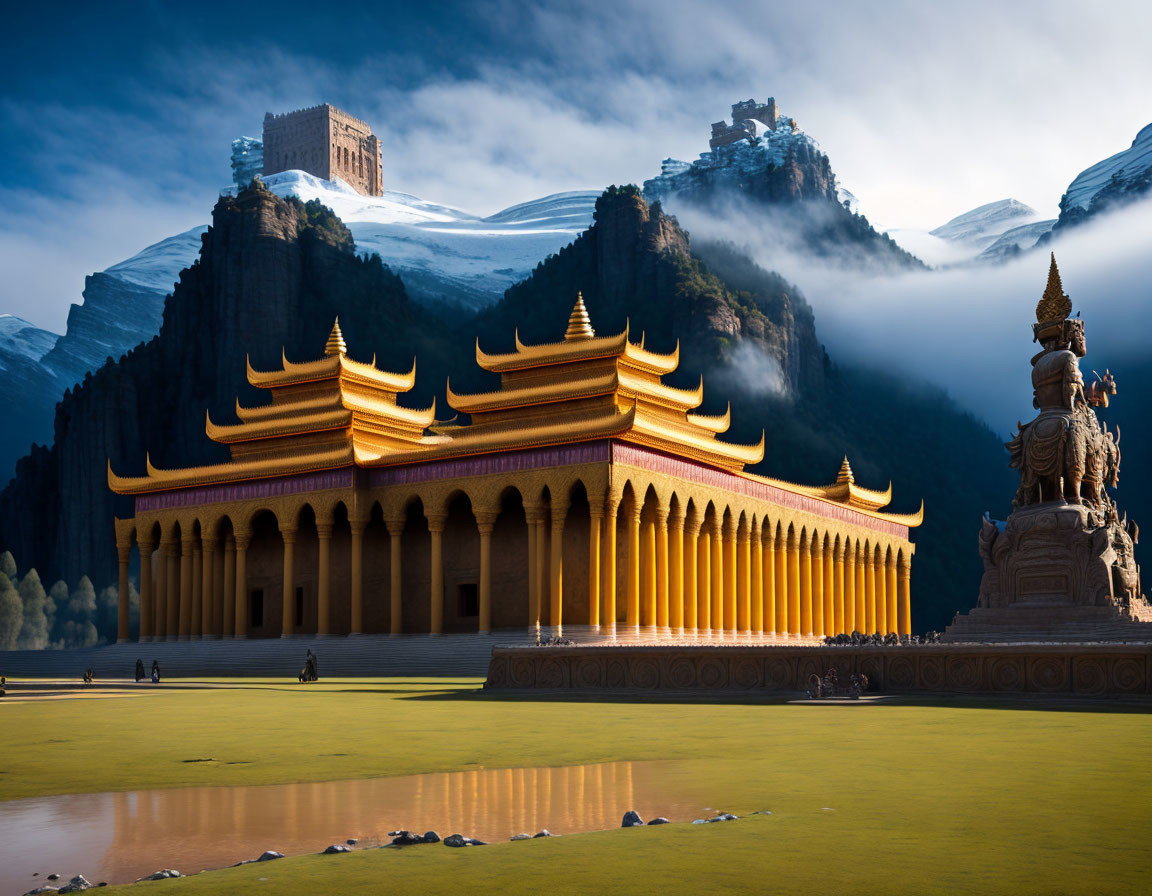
[[1053, 308]]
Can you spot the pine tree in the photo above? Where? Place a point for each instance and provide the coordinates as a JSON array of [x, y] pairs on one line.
[[34, 629], [8, 565], [11, 612]]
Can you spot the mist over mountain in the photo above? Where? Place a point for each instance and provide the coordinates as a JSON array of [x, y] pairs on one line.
[[1109, 184]]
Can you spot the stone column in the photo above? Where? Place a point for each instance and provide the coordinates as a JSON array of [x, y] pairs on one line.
[[690, 574], [542, 565], [743, 579], [323, 578], [676, 572], [632, 612], [242, 540], [816, 549], [704, 579], [207, 569], [595, 521], [793, 583], [647, 573], [756, 574], [844, 612], [904, 593], [356, 571], [485, 523], [230, 589], [890, 593], [218, 594], [719, 577], [147, 593], [660, 556], [870, 590], [556, 567], [608, 564], [436, 522], [187, 544], [288, 536], [197, 622], [395, 526], [123, 559], [531, 515]]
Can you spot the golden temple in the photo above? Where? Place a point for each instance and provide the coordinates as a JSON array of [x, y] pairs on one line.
[[584, 491]]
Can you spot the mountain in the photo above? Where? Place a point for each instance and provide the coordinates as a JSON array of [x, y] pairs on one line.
[[1016, 240], [273, 272], [766, 171], [21, 341], [1115, 181], [984, 225]]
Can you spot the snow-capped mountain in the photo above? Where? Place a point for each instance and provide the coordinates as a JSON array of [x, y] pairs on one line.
[[20, 339], [984, 225], [1114, 181], [1016, 240], [987, 233]]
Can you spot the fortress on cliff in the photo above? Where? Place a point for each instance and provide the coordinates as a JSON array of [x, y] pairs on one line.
[[327, 143], [749, 119]]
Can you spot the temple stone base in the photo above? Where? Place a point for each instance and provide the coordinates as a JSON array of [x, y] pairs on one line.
[[1062, 669], [1069, 624]]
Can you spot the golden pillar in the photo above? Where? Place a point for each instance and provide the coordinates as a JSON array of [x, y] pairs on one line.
[[743, 578], [556, 616], [356, 571], [793, 583], [690, 549], [287, 617], [595, 525], [881, 593], [831, 626], [782, 573], [676, 572], [861, 591], [647, 572], [436, 523], [756, 574], [704, 579], [542, 566], [123, 559], [870, 590], [716, 565], [229, 621], [184, 621], [531, 515], [730, 582], [845, 612], [632, 612], [146, 592], [197, 622], [207, 574], [242, 540], [805, 562], [661, 559], [816, 549], [608, 564], [768, 537], [324, 578], [904, 593], [485, 523], [890, 592]]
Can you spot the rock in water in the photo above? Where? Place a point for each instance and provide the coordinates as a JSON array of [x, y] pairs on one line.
[[269, 854], [336, 848], [163, 875], [631, 820], [520, 837], [660, 820], [78, 883], [406, 838], [431, 837], [459, 840], [543, 833]]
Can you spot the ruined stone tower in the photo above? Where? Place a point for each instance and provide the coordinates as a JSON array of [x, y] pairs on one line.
[[326, 143]]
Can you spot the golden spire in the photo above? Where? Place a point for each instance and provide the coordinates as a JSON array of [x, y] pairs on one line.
[[579, 324], [845, 474], [1053, 305], [336, 344]]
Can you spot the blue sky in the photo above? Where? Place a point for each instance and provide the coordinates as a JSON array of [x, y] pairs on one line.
[[115, 119]]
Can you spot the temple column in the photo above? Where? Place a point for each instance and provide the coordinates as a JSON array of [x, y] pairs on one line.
[[756, 574], [843, 602], [816, 550], [632, 611], [556, 567], [197, 621], [861, 591], [870, 590], [172, 591], [485, 523], [123, 559], [146, 591], [890, 592], [531, 514], [881, 593], [356, 571], [793, 583], [830, 626], [690, 573], [242, 540], [541, 566], [647, 573], [904, 593], [187, 543], [219, 560], [660, 556], [608, 566], [436, 522], [704, 579], [716, 567], [288, 616], [230, 590], [595, 521], [323, 579], [207, 569], [730, 581], [781, 570], [676, 572], [743, 549], [768, 556], [395, 527], [805, 562]]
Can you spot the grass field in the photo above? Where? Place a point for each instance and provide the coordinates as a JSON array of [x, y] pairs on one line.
[[942, 798]]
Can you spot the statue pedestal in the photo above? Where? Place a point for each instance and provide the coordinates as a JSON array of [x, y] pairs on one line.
[[1052, 571]]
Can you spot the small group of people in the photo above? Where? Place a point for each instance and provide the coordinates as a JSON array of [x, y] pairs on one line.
[[308, 673], [89, 675], [155, 670]]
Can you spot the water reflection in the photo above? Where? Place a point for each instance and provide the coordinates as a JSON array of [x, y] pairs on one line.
[[119, 837]]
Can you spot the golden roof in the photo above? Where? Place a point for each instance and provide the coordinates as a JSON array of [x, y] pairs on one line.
[[1054, 305]]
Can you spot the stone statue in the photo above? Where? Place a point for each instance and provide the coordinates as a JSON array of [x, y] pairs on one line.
[[1063, 563]]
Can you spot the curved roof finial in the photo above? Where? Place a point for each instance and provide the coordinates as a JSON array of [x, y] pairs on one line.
[[579, 324], [336, 344], [845, 474], [1054, 305]]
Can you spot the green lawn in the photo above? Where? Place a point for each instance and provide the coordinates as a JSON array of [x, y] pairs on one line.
[[927, 798]]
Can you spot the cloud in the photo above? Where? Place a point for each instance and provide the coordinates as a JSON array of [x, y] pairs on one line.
[[751, 370]]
